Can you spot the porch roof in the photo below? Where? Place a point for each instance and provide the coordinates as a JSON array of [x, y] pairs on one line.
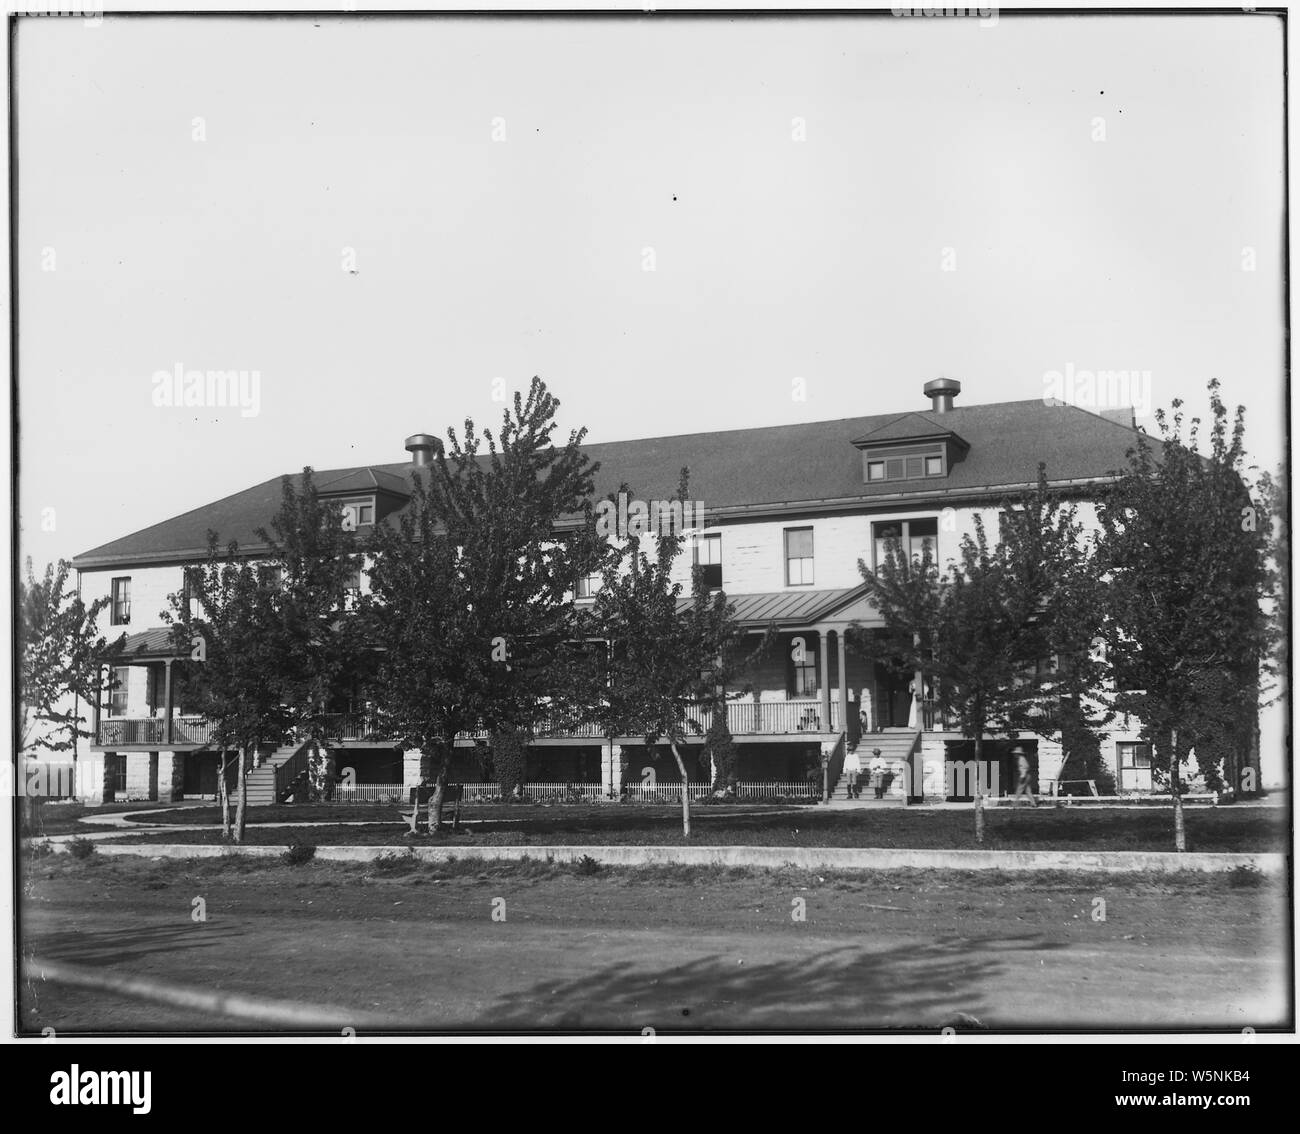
[[792, 608], [148, 645]]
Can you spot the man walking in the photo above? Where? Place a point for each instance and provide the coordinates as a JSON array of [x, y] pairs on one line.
[[1024, 776]]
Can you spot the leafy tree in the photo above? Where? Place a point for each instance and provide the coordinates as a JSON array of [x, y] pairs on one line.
[[1054, 563], [313, 550], [972, 628], [471, 594], [1186, 553], [234, 630], [60, 658], [719, 751], [666, 655]]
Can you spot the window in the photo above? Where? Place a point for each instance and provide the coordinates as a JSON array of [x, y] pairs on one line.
[[708, 555], [121, 601], [798, 557], [352, 577], [915, 536], [801, 667], [358, 513], [1134, 756], [914, 463], [119, 675], [922, 535], [116, 770], [588, 585], [188, 575]]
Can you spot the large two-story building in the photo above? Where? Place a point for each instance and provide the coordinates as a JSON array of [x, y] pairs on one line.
[[788, 513]]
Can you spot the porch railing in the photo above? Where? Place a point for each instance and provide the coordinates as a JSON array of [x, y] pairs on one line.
[[765, 718], [144, 732], [795, 789], [370, 793]]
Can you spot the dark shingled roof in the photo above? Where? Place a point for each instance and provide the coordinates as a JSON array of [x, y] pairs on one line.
[[733, 472], [905, 427]]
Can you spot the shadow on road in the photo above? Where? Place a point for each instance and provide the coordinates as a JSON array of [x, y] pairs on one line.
[[126, 945], [845, 987]]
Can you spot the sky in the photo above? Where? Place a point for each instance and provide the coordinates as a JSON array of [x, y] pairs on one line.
[[391, 221]]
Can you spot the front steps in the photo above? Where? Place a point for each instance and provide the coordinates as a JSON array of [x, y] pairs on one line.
[[896, 745], [261, 780]]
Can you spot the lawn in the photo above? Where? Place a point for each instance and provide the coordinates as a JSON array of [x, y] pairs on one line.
[[60, 818], [1245, 829]]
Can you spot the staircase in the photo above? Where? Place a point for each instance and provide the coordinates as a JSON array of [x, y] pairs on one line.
[[895, 744], [279, 773]]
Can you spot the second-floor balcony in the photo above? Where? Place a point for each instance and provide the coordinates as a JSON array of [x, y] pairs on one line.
[[791, 717]]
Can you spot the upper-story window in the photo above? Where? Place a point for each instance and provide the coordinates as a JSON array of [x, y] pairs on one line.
[[357, 513], [913, 537], [801, 669], [352, 578], [798, 557], [119, 675], [120, 601], [708, 557], [587, 585], [916, 463]]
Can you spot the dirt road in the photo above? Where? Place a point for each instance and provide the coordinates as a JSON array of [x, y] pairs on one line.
[[511, 949]]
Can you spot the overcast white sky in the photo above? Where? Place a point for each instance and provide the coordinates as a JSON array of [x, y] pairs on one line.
[[478, 259]]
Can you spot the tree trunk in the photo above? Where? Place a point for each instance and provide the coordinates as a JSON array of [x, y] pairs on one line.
[[223, 796], [435, 800], [1180, 831], [979, 787], [242, 805], [686, 795]]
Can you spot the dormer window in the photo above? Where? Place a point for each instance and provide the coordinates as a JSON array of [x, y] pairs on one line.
[[357, 513], [912, 446], [920, 462]]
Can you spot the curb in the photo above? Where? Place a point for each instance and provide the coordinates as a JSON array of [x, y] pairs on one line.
[[834, 858]]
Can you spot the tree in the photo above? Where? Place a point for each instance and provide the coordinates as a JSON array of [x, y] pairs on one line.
[[60, 658], [312, 547], [972, 628], [1055, 564], [471, 594], [233, 629], [1186, 555], [665, 656]]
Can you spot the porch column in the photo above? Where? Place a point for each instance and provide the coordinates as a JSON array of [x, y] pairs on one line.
[[611, 770], [842, 659], [171, 776], [918, 690], [167, 700], [823, 651], [410, 770], [99, 697]]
